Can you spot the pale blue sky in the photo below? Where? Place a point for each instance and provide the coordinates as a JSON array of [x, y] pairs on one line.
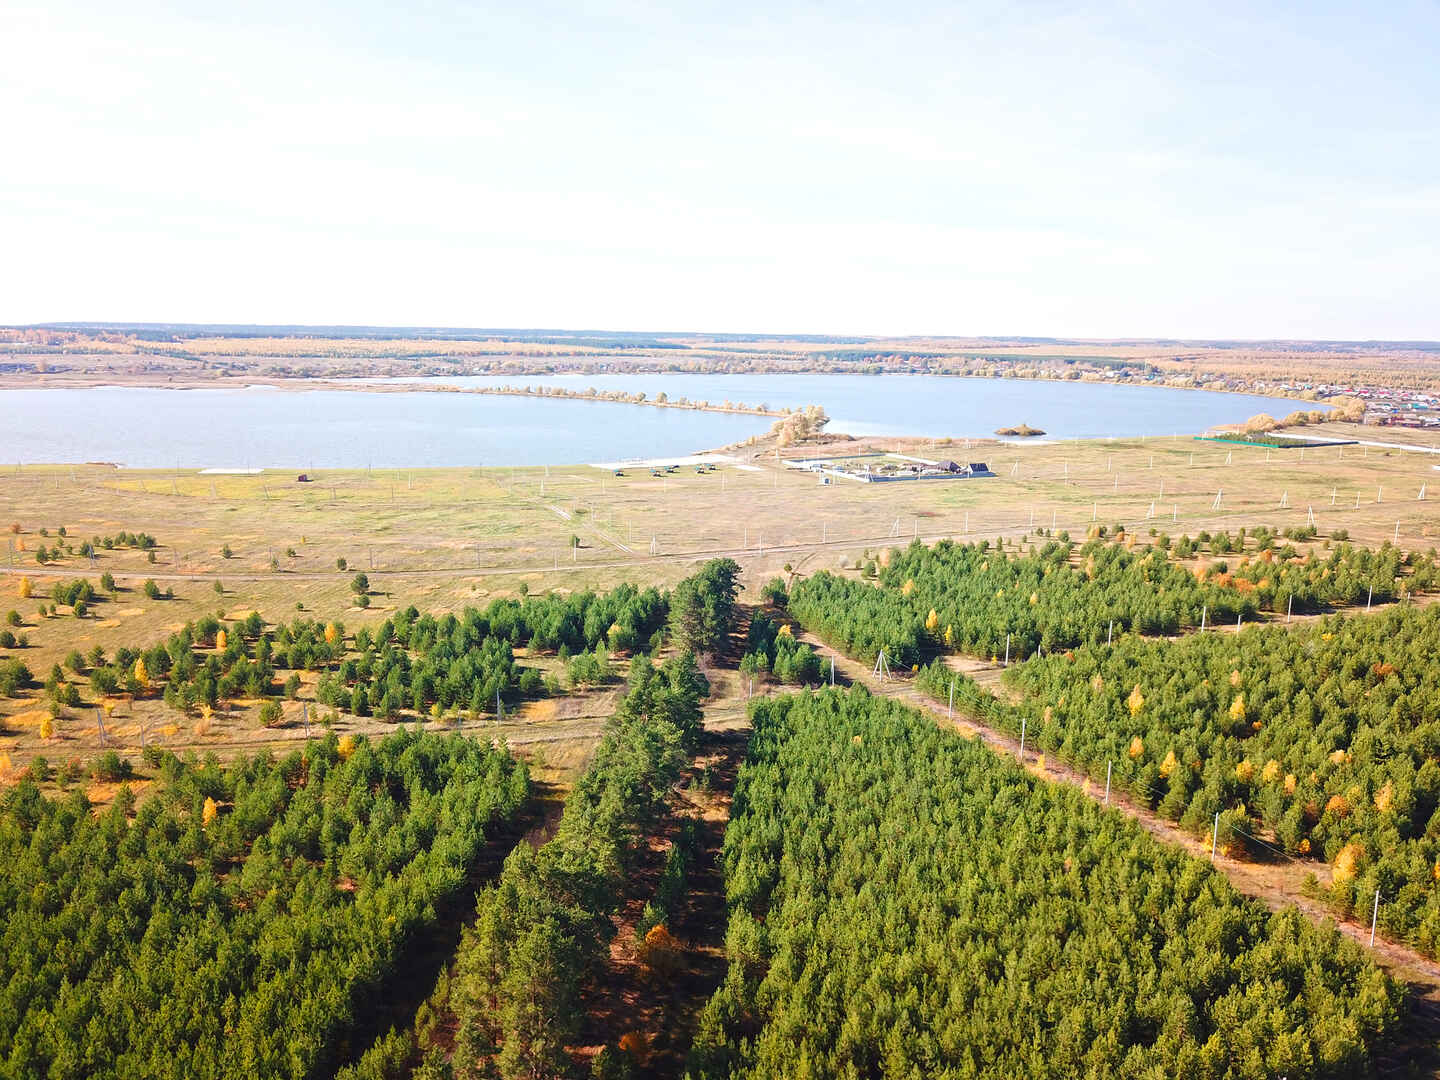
[[1229, 170]]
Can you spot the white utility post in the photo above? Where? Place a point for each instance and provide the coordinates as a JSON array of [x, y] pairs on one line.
[[1108, 766]]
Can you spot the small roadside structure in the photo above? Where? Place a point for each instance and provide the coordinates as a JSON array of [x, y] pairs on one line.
[[303, 478], [882, 467]]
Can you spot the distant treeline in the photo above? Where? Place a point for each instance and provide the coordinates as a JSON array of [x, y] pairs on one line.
[[603, 339], [870, 356]]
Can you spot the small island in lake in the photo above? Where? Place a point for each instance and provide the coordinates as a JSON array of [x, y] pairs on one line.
[[1023, 431]]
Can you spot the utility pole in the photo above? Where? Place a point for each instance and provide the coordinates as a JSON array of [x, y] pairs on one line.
[[1108, 766]]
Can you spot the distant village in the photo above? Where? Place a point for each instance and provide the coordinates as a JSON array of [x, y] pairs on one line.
[[1384, 405]]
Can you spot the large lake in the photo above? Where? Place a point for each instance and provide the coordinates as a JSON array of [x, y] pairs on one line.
[[254, 427]]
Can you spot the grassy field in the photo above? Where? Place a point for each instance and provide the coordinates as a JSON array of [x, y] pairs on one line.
[[445, 539]]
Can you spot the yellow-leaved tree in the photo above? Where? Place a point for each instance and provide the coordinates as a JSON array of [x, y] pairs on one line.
[[208, 811], [932, 621], [1136, 701], [1348, 861], [222, 640], [26, 589], [660, 951], [332, 633], [141, 675]]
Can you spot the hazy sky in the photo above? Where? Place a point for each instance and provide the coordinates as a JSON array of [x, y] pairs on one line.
[[1225, 170]]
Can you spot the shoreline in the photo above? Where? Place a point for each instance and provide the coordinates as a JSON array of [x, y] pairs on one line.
[[301, 386], [436, 382], [616, 397]]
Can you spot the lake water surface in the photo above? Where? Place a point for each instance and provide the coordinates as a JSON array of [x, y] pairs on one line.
[[939, 405], [254, 427]]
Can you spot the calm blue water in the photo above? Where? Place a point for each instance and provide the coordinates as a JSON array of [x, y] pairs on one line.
[[152, 428], [156, 428], [938, 405]]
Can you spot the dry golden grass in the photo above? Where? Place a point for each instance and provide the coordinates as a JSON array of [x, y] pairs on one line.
[[442, 539]]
